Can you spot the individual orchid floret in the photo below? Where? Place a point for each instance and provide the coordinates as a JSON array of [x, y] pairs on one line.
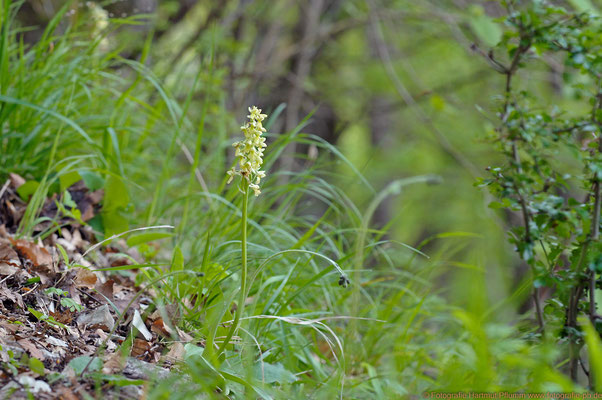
[[250, 151]]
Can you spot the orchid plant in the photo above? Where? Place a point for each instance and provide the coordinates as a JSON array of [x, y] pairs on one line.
[[249, 152]]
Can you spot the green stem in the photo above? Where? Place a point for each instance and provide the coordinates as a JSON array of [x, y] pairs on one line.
[[243, 283]]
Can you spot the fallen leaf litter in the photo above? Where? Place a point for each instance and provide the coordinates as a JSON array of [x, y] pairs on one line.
[[45, 341]]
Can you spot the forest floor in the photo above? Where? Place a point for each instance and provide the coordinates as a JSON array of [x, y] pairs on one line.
[[63, 321]]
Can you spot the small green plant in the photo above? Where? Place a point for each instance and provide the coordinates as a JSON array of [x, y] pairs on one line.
[[72, 212], [65, 301], [46, 318], [12, 364]]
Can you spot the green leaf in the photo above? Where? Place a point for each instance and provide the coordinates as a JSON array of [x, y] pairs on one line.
[[39, 315], [71, 304], [68, 200], [273, 373], [146, 237], [92, 180], [116, 194], [192, 351], [177, 260], [584, 6], [52, 290], [121, 380], [30, 281], [483, 26], [36, 366], [79, 363], [27, 189], [68, 179], [596, 264], [437, 102], [496, 205], [114, 204], [594, 348], [63, 253]]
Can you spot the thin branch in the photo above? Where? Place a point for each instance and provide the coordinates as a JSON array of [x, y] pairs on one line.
[[595, 230], [525, 40], [496, 65], [385, 57], [585, 370]]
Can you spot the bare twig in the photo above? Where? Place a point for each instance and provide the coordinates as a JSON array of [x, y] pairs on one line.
[[496, 65], [4, 187]]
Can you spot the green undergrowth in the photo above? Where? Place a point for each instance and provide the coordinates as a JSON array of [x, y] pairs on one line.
[[73, 108]]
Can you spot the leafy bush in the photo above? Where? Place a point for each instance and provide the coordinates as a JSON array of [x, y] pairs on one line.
[[552, 171]]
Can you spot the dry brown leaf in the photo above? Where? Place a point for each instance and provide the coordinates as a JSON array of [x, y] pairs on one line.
[[161, 328], [15, 212], [56, 342], [106, 289], [176, 353], [31, 349], [13, 296], [7, 269], [16, 180], [171, 311], [39, 256], [4, 357], [186, 338], [41, 259], [26, 259], [77, 240], [85, 278], [67, 394], [96, 196], [10, 328], [64, 317], [122, 296], [10, 263], [87, 211], [67, 245], [98, 318], [8, 255], [114, 364], [140, 347]]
